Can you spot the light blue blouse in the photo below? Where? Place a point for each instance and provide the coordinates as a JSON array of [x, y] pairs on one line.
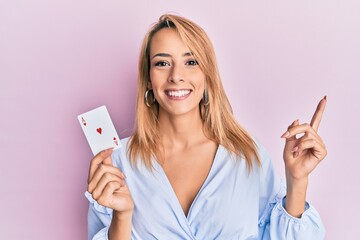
[[232, 203]]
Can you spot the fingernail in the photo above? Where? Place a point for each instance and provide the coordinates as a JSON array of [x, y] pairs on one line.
[[296, 122], [285, 135], [325, 97], [295, 149]]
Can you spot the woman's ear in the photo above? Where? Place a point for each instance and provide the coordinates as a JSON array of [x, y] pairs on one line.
[[149, 85]]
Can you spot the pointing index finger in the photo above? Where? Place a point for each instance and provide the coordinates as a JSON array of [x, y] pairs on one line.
[[316, 119]]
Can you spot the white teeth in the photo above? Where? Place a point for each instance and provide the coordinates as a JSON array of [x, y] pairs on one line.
[[180, 93]]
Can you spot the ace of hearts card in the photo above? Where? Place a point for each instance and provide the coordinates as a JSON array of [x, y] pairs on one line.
[[99, 130]]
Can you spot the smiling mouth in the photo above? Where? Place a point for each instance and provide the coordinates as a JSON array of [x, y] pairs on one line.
[[178, 93]]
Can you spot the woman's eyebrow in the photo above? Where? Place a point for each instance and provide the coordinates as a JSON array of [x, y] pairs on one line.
[[187, 54], [161, 55]]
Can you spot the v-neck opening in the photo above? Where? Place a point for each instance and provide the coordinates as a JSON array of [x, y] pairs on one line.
[[173, 195]]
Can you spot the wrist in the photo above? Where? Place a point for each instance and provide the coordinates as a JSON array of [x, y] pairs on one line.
[[296, 190], [122, 216], [295, 195], [121, 225], [296, 182]]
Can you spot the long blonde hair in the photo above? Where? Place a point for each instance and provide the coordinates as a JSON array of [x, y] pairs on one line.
[[219, 123]]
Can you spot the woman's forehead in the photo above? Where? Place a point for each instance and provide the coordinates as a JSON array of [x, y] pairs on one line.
[[167, 40]]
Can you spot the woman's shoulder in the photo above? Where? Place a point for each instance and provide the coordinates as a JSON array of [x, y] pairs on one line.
[[121, 159], [119, 155], [259, 146], [265, 158], [124, 142], [263, 153]]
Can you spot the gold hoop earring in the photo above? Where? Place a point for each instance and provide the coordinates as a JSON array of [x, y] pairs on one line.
[[153, 100]]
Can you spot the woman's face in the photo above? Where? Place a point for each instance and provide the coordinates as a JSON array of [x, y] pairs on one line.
[[175, 77]]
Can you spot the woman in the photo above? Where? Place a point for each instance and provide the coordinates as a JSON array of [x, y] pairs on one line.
[[191, 171]]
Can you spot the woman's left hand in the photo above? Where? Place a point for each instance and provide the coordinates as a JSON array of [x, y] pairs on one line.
[[303, 154]]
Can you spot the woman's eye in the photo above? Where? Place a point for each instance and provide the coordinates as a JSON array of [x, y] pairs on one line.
[[192, 62], [161, 64]]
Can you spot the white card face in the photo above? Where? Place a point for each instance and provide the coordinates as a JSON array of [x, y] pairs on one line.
[[99, 129]]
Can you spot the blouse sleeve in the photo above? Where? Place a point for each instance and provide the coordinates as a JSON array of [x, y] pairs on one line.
[[274, 222], [99, 218]]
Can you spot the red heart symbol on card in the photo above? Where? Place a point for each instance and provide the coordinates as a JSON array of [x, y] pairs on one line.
[[99, 130], [115, 141], [83, 121]]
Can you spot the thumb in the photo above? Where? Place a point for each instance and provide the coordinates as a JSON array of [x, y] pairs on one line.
[[287, 133], [289, 141], [108, 161]]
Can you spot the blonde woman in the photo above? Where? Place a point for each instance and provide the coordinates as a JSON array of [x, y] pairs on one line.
[[190, 171]]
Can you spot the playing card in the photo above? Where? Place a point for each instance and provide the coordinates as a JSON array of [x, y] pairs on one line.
[[99, 129]]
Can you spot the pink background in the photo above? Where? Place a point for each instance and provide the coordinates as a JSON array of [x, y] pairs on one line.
[[62, 58]]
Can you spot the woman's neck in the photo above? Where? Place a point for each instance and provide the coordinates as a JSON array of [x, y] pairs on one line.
[[181, 131]]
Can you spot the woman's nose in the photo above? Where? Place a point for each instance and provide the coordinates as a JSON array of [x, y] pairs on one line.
[[176, 74]]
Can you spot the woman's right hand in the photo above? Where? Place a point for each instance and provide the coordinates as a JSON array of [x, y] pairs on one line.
[[106, 184]]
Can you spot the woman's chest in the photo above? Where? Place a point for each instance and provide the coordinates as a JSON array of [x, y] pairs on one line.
[[225, 207], [187, 171]]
